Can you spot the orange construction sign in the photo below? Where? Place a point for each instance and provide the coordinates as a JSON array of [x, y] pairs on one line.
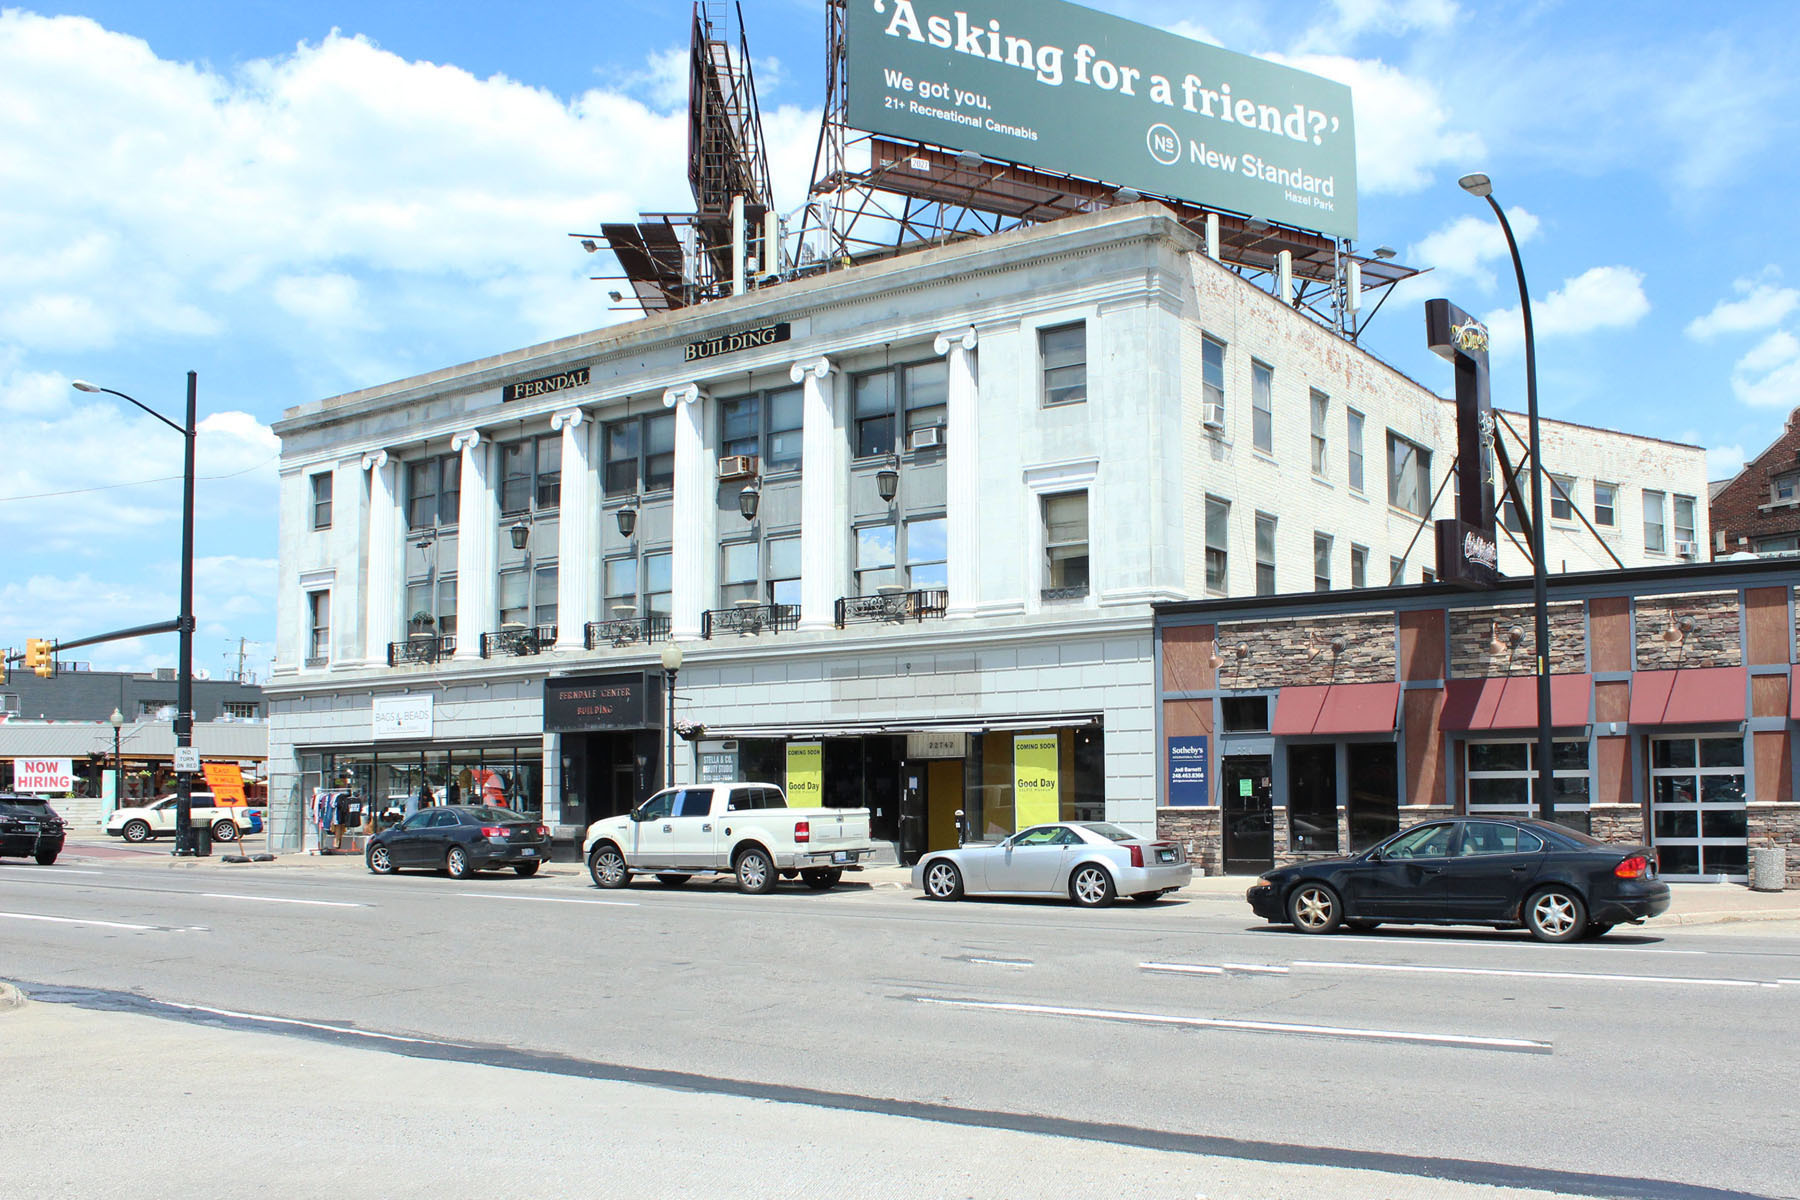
[[225, 781]]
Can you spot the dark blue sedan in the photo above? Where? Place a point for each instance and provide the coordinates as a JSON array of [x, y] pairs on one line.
[[461, 840], [1558, 883]]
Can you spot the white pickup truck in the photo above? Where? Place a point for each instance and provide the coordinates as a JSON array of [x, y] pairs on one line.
[[742, 829]]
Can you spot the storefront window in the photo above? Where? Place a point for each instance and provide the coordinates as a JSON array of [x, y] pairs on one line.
[[1698, 819], [1498, 775], [1312, 799]]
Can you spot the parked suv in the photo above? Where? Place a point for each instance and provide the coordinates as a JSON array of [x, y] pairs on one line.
[[29, 827]]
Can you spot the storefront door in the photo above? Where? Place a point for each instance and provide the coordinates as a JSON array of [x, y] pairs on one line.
[[1698, 820], [1249, 813], [1374, 800]]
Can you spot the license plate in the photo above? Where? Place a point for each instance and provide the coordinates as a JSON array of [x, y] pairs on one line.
[[528, 851], [1165, 856], [841, 856]]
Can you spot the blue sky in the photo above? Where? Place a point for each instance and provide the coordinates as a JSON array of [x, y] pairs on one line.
[[296, 199]]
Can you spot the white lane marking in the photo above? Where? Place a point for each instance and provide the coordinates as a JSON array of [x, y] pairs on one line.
[[1181, 968], [53, 869], [1789, 982], [361, 1033], [283, 900], [1254, 969], [547, 899], [1002, 962], [77, 921], [1586, 975], [1139, 1018]]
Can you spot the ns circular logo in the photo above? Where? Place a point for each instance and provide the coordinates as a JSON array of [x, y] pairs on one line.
[[1164, 144]]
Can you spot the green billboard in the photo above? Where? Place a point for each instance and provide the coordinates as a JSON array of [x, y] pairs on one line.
[[1054, 85]]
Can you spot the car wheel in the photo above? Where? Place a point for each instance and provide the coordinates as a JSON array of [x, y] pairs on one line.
[[755, 873], [1315, 908], [45, 858], [380, 861], [1358, 925], [1555, 914], [137, 831], [1091, 886], [525, 870], [943, 881], [823, 879], [673, 880], [607, 866], [456, 862], [224, 831]]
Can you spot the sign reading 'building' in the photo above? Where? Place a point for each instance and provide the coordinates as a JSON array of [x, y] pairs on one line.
[[744, 339]]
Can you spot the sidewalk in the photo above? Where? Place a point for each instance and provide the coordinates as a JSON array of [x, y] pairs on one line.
[[1692, 903]]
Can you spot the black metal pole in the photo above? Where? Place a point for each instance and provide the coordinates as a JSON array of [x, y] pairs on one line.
[[1540, 588], [184, 694], [669, 686], [118, 774]]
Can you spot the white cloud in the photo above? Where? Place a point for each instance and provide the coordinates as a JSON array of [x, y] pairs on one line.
[[663, 81], [1354, 18], [1598, 298], [321, 300], [1464, 248], [1760, 305], [1403, 126], [1722, 462], [1769, 375]]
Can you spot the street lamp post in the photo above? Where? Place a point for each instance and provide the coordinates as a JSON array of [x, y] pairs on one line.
[[117, 721], [671, 663], [184, 688], [1482, 186]]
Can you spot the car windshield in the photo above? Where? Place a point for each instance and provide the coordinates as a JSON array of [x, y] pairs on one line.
[[1109, 831], [489, 813]]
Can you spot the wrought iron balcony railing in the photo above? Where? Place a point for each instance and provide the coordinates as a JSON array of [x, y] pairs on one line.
[[421, 648], [626, 631], [749, 619], [1077, 592], [895, 607], [522, 639]]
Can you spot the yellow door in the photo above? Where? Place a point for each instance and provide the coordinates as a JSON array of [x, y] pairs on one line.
[[943, 796]]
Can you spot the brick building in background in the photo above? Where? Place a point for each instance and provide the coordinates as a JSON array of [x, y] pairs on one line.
[[1758, 510]]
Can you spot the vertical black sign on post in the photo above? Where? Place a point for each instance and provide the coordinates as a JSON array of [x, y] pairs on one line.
[[1467, 551]]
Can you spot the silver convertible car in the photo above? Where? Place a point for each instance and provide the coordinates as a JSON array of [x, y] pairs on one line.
[[1090, 862]]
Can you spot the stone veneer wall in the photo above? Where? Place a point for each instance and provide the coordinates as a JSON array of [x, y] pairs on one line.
[[1290, 653], [1617, 823], [1714, 641], [1198, 829], [1778, 825], [1473, 632]]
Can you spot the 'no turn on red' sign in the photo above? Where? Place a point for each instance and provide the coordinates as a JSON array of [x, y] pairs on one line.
[[43, 775]]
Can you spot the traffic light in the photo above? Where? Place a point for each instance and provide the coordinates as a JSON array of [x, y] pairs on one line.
[[40, 657]]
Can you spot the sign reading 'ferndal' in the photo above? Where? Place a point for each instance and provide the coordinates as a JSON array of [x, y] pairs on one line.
[[544, 385], [1055, 85], [744, 339]]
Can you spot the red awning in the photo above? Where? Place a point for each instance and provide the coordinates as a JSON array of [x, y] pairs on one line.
[[1688, 696], [1510, 702], [1337, 708]]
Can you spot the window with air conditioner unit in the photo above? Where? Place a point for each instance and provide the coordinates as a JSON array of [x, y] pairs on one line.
[[924, 438], [737, 466], [1684, 549], [1215, 416]]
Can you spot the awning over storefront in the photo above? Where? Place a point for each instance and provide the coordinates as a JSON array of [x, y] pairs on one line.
[[1510, 702], [811, 730], [1690, 695], [1337, 708]]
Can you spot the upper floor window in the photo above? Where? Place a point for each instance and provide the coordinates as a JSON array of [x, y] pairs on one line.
[[912, 555], [1562, 498], [1063, 351], [640, 454], [1353, 447], [919, 390], [528, 596], [765, 426], [1262, 406], [243, 710], [637, 586], [1684, 520], [1321, 562], [1409, 474], [1655, 531], [1265, 554], [318, 616], [1218, 522], [531, 474], [1321, 408], [1784, 489], [431, 603], [321, 500], [1359, 566], [1065, 517], [433, 491], [1606, 497], [1212, 379]]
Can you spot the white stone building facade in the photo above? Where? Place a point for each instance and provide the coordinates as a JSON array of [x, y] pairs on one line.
[[1079, 419]]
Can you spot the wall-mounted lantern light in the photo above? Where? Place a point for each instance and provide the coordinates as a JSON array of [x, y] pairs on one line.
[[750, 499], [628, 520], [887, 480], [521, 534]]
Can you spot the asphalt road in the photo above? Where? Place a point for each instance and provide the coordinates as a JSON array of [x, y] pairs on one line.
[[1647, 1064]]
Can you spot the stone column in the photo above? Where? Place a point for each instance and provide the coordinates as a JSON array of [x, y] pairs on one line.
[[477, 527], [577, 543], [962, 474], [381, 612], [695, 553], [822, 538]]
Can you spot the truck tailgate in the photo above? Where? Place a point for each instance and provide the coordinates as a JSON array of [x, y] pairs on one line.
[[834, 828]]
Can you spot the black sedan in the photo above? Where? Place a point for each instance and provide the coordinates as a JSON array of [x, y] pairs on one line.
[[29, 828], [461, 840], [1558, 883]]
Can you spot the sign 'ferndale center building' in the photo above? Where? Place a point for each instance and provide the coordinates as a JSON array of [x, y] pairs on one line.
[[1053, 85]]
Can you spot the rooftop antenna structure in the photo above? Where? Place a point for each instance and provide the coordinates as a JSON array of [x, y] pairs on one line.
[[874, 196], [676, 259]]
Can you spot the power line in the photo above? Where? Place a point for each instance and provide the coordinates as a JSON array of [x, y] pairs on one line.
[[107, 487]]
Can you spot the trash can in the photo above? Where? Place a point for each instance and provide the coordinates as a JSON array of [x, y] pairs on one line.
[[1768, 868], [201, 835]]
